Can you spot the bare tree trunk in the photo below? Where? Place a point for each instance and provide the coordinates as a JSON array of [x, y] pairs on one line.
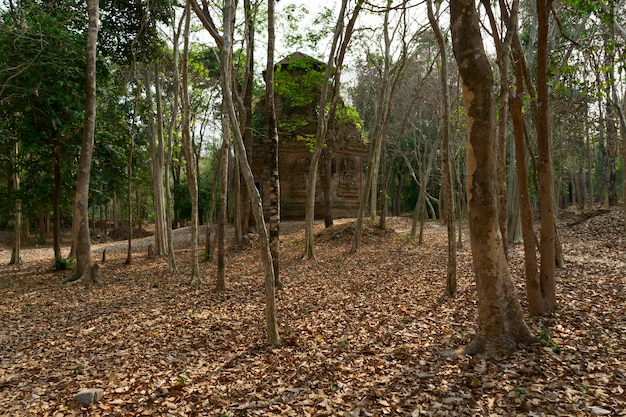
[[156, 168], [273, 337], [446, 168], [225, 43], [129, 195], [237, 202], [56, 198], [162, 217], [272, 134], [501, 325], [222, 214], [547, 247], [390, 74], [16, 258], [81, 208], [169, 204], [190, 166], [340, 42]]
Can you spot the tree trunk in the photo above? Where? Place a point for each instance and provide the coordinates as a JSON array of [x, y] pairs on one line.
[[547, 246], [389, 77], [272, 135], [222, 214], [326, 178], [81, 207], [169, 204], [190, 166], [340, 42], [56, 198], [501, 326], [273, 337], [155, 137], [129, 195], [16, 258], [446, 168]]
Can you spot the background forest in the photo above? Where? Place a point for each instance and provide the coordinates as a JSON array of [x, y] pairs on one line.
[[484, 127], [394, 73]]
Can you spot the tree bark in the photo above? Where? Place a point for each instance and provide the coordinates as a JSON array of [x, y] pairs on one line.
[[273, 337], [220, 284], [169, 204], [446, 168], [272, 134], [156, 168], [16, 258], [329, 94], [390, 75], [501, 326], [547, 246], [81, 201], [190, 166]]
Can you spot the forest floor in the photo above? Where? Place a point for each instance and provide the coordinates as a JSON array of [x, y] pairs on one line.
[[362, 333]]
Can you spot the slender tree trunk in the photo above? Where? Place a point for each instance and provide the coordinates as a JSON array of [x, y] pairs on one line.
[[114, 206], [190, 166], [547, 247], [16, 258], [222, 214], [334, 65], [390, 74], [169, 204], [81, 208], [166, 228], [446, 168], [237, 202], [156, 169], [272, 134], [56, 198], [621, 114], [501, 325], [273, 337], [129, 195]]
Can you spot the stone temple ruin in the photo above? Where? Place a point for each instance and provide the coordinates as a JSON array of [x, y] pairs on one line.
[[341, 173]]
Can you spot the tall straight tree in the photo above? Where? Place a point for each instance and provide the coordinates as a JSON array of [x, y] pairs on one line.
[[389, 75], [81, 201], [155, 136], [501, 326], [273, 337], [547, 245], [225, 43], [328, 96], [272, 134], [170, 135], [446, 166], [16, 258], [222, 216], [190, 166]]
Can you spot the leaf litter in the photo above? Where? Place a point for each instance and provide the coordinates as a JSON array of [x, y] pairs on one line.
[[362, 333]]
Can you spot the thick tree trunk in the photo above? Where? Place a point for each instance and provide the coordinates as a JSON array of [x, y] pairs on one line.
[[501, 326], [81, 201]]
